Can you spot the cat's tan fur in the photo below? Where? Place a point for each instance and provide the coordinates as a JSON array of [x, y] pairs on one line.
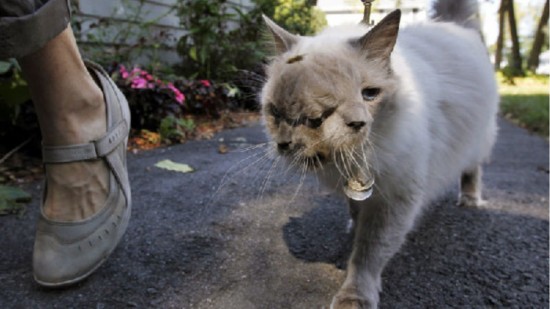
[[415, 117]]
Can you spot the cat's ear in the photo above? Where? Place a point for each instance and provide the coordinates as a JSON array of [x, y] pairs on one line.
[[380, 40], [283, 39]]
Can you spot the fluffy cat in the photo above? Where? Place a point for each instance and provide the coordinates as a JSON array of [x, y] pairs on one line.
[[403, 113]]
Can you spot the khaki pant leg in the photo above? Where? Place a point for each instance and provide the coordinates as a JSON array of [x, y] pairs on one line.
[[27, 25]]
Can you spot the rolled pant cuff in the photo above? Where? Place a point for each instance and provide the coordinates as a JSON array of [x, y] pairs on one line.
[[23, 35]]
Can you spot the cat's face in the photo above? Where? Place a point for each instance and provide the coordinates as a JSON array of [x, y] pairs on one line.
[[319, 104]]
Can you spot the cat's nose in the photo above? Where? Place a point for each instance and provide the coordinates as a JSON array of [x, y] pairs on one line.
[[356, 125], [284, 146]]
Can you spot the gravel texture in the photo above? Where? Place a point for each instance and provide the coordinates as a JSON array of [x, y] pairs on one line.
[[238, 234]]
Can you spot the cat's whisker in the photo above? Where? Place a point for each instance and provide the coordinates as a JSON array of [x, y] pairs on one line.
[[334, 159], [345, 163], [354, 153], [350, 161], [256, 157], [323, 140], [380, 192], [369, 149], [338, 162], [361, 155], [268, 176], [364, 157], [300, 183], [253, 147], [293, 163]]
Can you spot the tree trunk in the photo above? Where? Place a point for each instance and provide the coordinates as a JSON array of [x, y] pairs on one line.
[[533, 61], [311, 3], [516, 56], [500, 38]]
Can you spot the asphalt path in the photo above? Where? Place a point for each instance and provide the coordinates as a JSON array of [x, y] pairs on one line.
[[240, 233]]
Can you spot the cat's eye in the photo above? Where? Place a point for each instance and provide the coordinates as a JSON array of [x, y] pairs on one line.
[[275, 111], [370, 93], [314, 123]]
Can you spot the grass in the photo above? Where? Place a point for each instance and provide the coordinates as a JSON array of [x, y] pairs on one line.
[[526, 102]]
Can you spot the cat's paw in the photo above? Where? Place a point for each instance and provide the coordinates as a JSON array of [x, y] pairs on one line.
[[471, 201], [344, 300]]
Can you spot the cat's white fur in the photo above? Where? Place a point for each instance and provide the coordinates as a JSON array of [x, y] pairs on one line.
[[441, 125], [453, 68]]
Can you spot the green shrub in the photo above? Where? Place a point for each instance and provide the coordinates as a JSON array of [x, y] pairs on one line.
[[298, 16], [206, 49], [110, 40], [223, 39], [153, 100], [13, 90], [17, 118], [176, 129]]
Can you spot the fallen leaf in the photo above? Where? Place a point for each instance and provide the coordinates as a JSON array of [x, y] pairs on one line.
[[223, 149], [173, 166], [12, 200]]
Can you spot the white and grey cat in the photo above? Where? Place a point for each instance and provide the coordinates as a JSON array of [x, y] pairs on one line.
[[404, 113]]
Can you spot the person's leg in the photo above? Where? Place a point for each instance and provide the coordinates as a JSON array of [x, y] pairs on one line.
[[69, 105], [85, 121], [71, 110]]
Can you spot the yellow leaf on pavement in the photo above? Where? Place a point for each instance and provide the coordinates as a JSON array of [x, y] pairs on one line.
[[174, 166]]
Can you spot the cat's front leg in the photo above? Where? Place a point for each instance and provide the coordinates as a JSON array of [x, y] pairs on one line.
[[380, 230], [352, 298]]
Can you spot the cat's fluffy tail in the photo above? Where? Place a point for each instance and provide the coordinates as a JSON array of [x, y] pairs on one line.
[[462, 12]]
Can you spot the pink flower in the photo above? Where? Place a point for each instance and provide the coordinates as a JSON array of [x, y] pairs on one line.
[[123, 73], [205, 83], [139, 83], [135, 72], [141, 79], [180, 97]]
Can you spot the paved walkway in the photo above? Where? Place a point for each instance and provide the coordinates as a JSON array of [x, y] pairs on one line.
[[252, 243]]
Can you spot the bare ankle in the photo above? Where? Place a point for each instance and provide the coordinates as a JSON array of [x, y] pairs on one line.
[[79, 119]]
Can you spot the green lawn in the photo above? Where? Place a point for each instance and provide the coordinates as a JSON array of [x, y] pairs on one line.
[[526, 102]]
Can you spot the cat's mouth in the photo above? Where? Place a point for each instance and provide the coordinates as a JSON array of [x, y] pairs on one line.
[[315, 161], [359, 188]]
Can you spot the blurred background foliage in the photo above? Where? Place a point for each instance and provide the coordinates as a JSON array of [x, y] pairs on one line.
[[222, 52]]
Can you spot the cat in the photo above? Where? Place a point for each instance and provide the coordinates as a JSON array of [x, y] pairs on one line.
[[399, 114]]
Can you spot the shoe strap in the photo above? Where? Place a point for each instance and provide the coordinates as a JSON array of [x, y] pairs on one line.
[[89, 151]]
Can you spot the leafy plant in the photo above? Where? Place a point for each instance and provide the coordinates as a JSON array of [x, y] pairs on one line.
[[299, 16], [204, 97], [150, 98], [226, 42], [13, 90], [206, 47], [157, 104], [12, 200], [17, 118], [176, 129], [106, 40]]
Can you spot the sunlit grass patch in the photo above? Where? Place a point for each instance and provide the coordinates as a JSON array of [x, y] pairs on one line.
[[526, 102]]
